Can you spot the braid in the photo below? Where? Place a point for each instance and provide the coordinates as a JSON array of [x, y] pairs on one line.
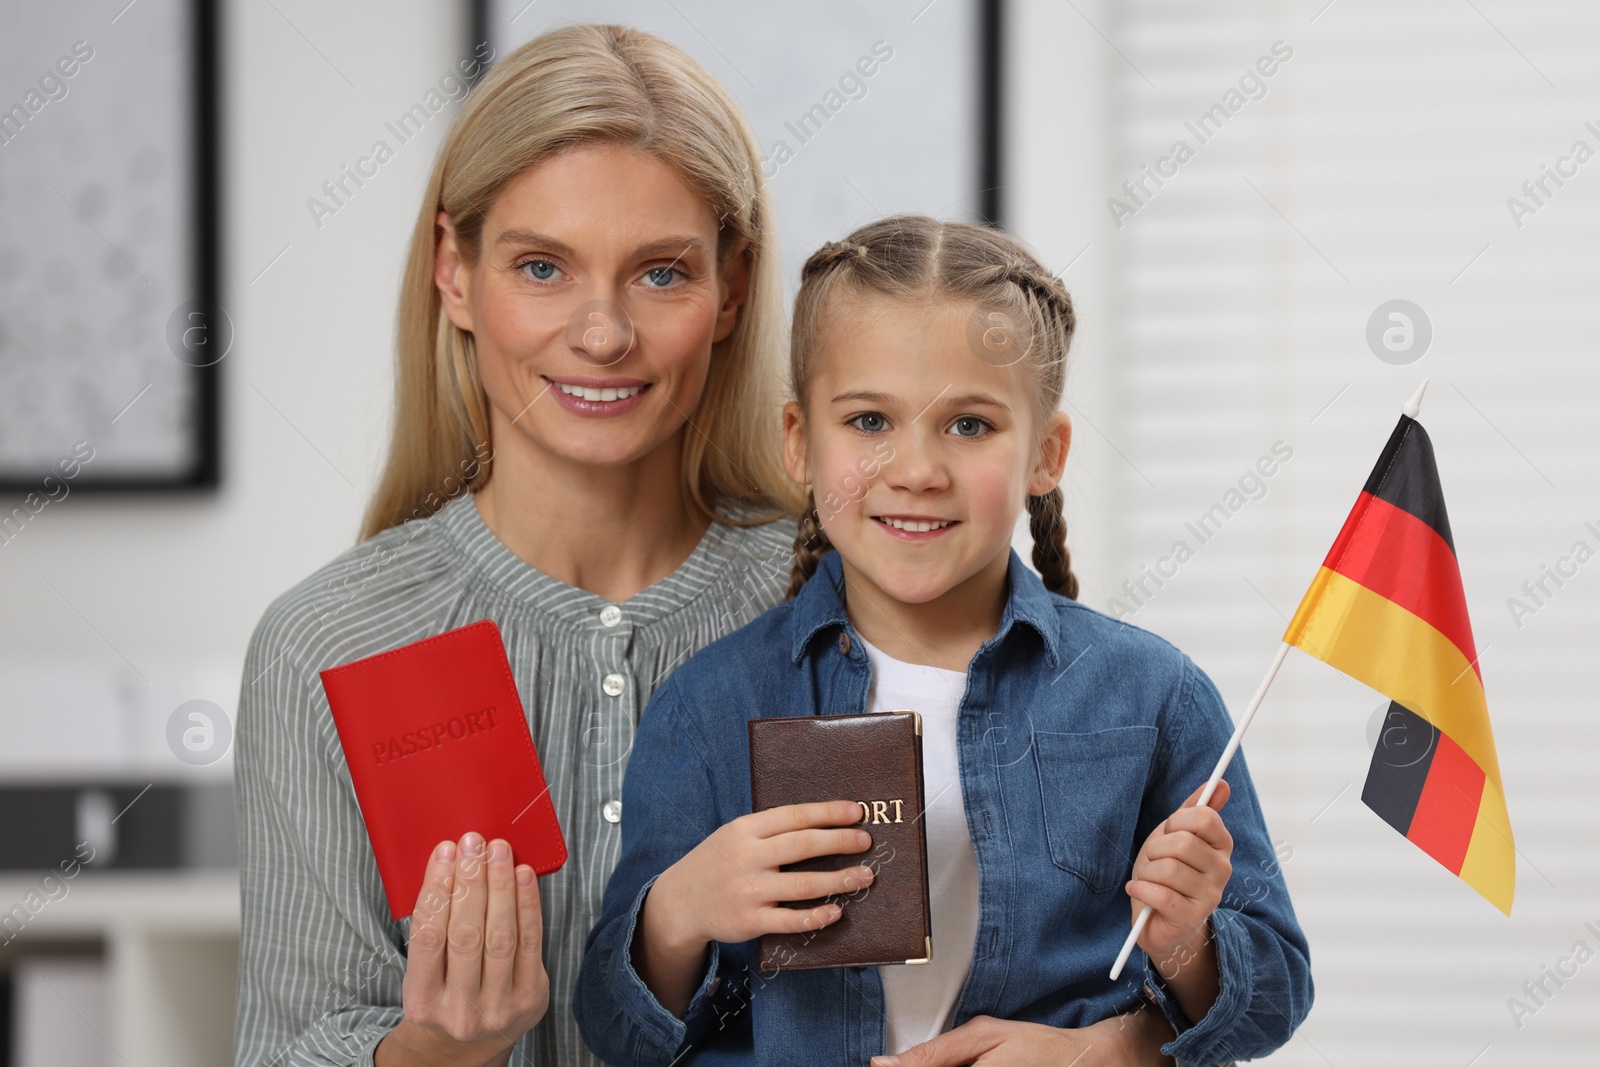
[[829, 256], [1049, 530], [810, 545], [1048, 291]]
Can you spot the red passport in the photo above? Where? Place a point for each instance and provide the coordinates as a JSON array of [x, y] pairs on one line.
[[438, 745]]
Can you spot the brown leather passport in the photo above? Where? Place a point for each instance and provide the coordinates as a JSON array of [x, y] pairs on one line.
[[876, 761]]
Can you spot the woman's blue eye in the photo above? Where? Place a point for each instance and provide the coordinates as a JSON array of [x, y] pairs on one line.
[[870, 422], [541, 269], [968, 426], [661, 277]]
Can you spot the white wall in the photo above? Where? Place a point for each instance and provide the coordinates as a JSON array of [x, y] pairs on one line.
[[170, 588], [1057, 97]]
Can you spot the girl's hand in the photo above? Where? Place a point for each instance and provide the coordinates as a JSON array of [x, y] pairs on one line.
[[475, 979], [1181, 872], [986, 1042], [729, 887]]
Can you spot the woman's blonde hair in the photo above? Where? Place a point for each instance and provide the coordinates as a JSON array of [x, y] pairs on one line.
[[579, 85], [1021, 314]]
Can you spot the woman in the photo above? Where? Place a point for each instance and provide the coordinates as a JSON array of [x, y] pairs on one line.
[[584, 451], [559, 482]]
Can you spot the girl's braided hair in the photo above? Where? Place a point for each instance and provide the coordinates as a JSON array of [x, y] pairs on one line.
[[1023, 315]]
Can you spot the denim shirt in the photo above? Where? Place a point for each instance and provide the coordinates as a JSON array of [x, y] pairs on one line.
[[1076, 736]]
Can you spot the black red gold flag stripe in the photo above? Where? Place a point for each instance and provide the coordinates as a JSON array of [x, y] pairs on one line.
[[1387, 608]]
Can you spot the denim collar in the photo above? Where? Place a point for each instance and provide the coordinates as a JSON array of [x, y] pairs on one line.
[[820, 605]]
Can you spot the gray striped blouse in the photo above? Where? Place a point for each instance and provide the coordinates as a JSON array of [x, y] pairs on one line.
[[321, 962]]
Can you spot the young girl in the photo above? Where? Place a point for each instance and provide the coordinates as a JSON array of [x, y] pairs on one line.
[[1063, 750]]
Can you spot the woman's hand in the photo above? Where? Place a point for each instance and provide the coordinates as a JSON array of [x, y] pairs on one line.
[[1122, 1040], [475, 979], [729, 889]]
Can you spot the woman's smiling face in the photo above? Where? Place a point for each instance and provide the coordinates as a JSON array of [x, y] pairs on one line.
[[593, 303], [921, 454]]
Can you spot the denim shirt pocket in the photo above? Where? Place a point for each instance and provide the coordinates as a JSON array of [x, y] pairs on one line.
[[1091, 785]]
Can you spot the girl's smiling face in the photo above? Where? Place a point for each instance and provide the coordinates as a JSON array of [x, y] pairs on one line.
[[920, 454], [593, 303]]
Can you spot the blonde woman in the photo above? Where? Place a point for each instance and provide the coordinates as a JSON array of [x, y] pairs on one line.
[[585, 451]]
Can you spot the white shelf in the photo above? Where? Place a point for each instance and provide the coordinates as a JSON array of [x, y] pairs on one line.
[[172, 951]]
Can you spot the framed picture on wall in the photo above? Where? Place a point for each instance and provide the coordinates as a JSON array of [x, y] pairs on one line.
[[111, 335], [860, 110]]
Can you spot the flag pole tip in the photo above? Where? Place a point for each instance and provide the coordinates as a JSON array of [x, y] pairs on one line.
[[1414, 405]]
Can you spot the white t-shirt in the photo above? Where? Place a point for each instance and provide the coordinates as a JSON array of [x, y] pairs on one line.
[[921, 998]]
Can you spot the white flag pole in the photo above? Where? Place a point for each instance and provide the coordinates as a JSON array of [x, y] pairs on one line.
[[1205, 794], [1412, 407]]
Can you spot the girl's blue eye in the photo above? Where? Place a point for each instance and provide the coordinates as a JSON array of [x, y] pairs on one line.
[[661, 277], [540, 269], [968, 426], [876, 420]]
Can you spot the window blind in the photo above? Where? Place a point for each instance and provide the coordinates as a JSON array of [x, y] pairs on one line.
[[1341, 156]]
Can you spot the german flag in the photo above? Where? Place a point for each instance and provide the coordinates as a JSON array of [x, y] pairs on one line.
[[1387, 609]]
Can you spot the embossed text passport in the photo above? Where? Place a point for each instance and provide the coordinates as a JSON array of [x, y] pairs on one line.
[[876, 761], [437, 745]]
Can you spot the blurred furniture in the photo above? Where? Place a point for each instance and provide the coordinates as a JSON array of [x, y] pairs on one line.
[[170, 945]]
